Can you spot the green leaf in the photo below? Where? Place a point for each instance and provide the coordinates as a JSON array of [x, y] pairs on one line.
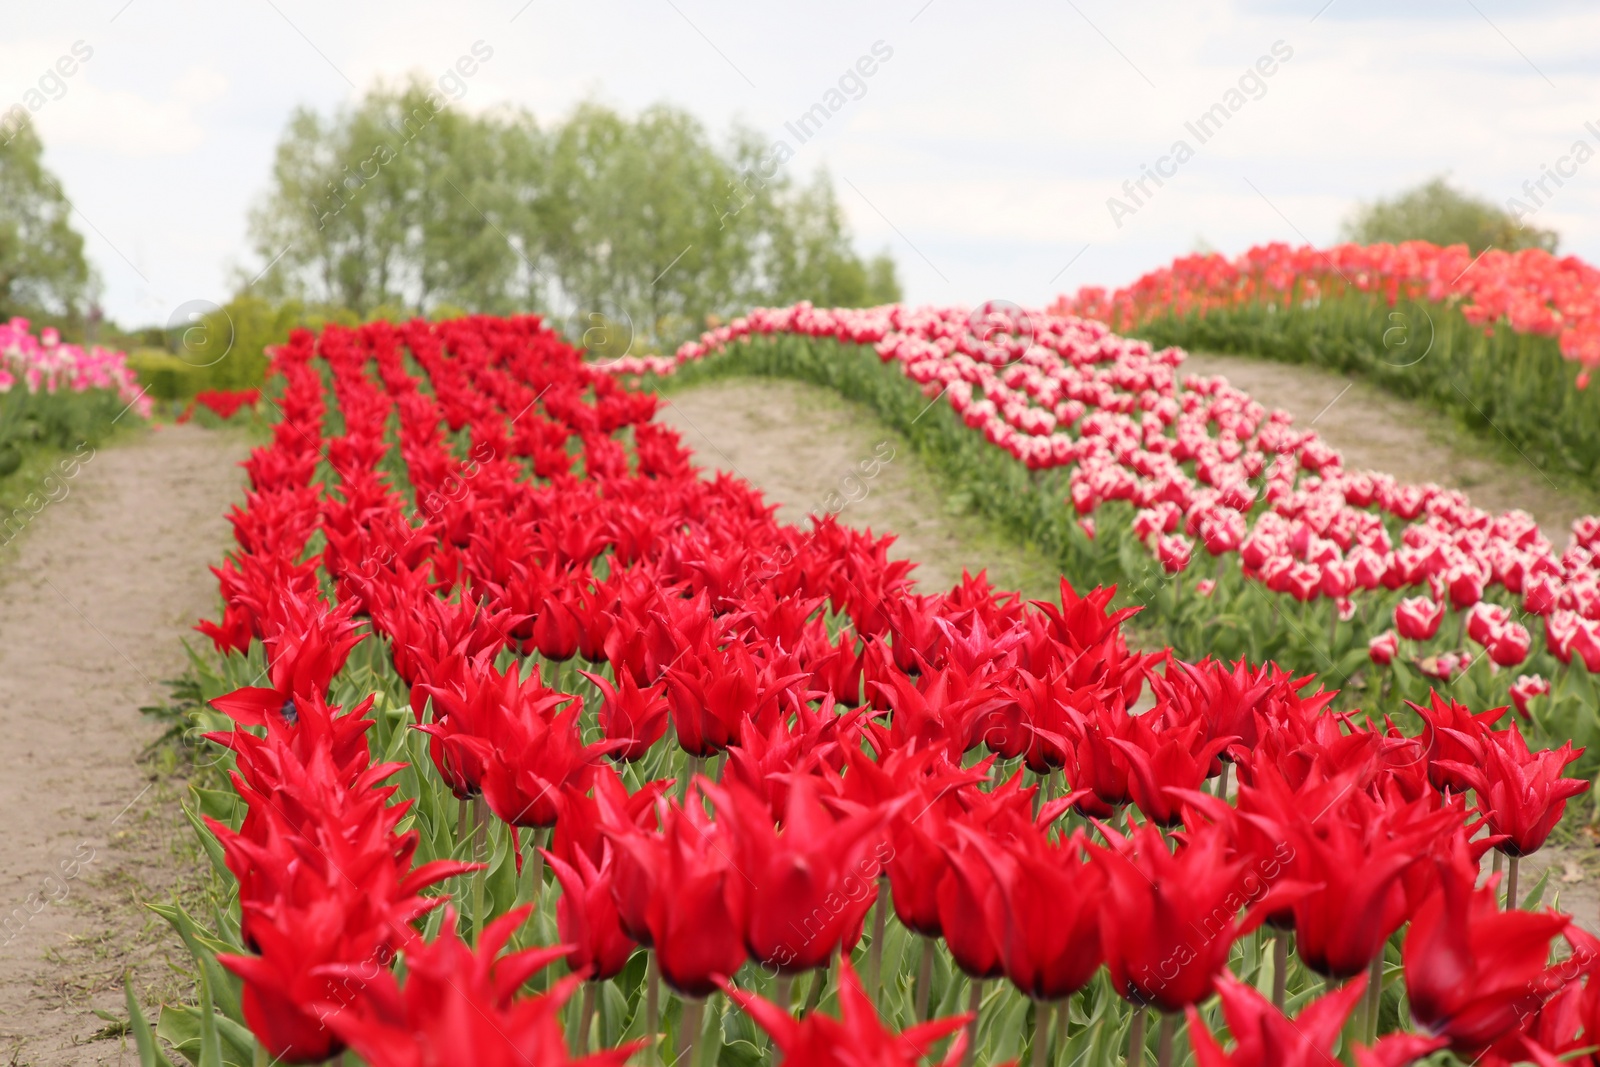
[[143, 1039]]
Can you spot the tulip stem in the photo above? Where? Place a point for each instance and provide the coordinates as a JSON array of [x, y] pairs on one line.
[[974, 1004], [819, 979], [586, 1018], [1494, 868], [783, 993], [1136, 1037], [1280, 967], [1041, 1031], [480, 850], [652, 1005], [924, 979], [1222, 782], [1169, 1027], [694, 1011], [260, 1057], [875, 957], [1374, 996], [1511, 883]]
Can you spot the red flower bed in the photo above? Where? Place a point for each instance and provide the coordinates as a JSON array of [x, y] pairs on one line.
[[1531, 290], [777, 741]]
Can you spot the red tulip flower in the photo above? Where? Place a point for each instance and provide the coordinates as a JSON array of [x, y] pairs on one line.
[[857, 1039], [1264, 1037], [1522, 794], [1170, 919], [587, 919], [1045, 910], [1417, 618], [1525, 689], [630, 714], [1473, 972], [1451, 735], [1383, 648], [459, 1006], [676, 886], [802, 889]]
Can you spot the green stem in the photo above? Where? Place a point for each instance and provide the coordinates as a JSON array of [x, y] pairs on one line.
[[924, 979], [1136, 1037], [1041, 1032], [694, 1010], [480, 849], [875, 956], [652, 1006], [1512, 904], [1280, 967], [1374, 995], [586, 1019], [974, 1004]]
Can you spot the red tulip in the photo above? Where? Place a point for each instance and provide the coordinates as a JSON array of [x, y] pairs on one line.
[[1474, 972], [677, 885], [630, 714], [1448, 729], [1170, 920], [1045, 911], [1417, 618], [586, 917], [1525, 689], [1522, 795], [1264, 1037], [1383, 648], [459, 1006], [854, 1040], [799, 893]]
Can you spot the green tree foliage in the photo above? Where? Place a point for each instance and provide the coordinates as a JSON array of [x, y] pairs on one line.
[[1436, 212], [403, 202], [43, 272]]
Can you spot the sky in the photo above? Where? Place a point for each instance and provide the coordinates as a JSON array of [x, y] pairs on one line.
[[988, 150]]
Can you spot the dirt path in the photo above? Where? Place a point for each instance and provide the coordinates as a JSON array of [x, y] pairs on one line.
[[810, 450], [95, 596], [1378, 431]]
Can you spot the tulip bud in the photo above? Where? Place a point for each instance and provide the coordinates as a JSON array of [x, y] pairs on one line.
[[1525, 688], [1417, 618], [1383, 648]]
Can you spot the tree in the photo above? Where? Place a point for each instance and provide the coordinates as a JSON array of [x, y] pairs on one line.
[[42, 266], [1436, 212], [641, 222], [393, 202]]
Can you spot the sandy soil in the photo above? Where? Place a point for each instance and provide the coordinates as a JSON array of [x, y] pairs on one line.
[[809, 450], [95, 596], [1377, 431]]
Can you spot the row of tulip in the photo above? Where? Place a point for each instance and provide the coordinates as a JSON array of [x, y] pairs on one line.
[[44, 363], [1530, 291], [1499, 341], [782, 763], [58, 396], [1194, 463]]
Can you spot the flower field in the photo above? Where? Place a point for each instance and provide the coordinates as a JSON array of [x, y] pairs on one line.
[[58, 395], [542, 747], [1254, 524], [1506, 341]]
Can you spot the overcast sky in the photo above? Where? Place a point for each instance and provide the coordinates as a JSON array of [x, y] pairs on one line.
[[981, 153]]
